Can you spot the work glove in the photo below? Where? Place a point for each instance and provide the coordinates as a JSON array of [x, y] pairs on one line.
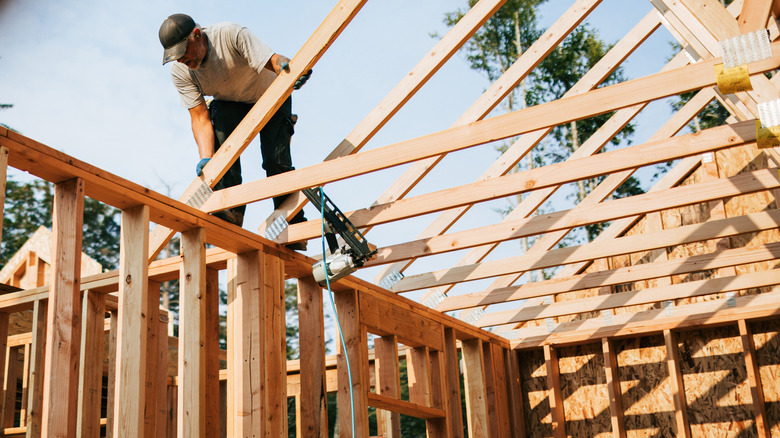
[[200, 165], [302, 80]]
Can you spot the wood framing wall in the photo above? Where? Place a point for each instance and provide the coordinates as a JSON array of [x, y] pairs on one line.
[[666, 324]]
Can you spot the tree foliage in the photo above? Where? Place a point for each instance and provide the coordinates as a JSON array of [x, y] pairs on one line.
[[29, 205]]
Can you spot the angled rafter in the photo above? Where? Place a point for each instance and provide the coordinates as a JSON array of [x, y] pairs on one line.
[[595, 250], [595, 102]]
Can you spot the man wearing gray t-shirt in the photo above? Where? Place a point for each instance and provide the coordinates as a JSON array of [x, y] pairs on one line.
[[231, 64]]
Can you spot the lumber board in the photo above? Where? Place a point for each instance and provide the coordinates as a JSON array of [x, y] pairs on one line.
[[440, 427], [388, 382], [12, 373], [313, 419], [613, 387], [34, 382], [514, 388], [595, 250], [163, 408], [133, 322], [191, 417], [585, 215], [754, 379], [262, 111], [536, 198], [554, 395], [275, 357], [418, 371], [401, 93], [5, 360], [599, 101], [93, 316], [611, 277], [47, 163], [403, 407], [596, 75], [25, 383], [651, 322], [452, 374], [355, 347], [678, 386], [211, 345], [475, 388], [245, 355], [60, 390], [152, 313], [112, 370], [754, 15], [385, 317], [627, 158], [644, 296]]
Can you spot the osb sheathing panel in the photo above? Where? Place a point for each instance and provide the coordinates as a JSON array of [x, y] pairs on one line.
[[584, 390], [536, 406], [717, 391], [766, 337], [648, 407]]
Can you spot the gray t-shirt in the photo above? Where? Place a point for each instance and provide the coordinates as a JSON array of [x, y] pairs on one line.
[[234, 68]]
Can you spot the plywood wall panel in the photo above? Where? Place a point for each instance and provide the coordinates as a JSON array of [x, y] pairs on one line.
[[536, 407], [585, 392], [766, 336], [716, 385], [645, 387]]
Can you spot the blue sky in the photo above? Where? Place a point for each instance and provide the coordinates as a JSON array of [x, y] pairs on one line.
[[85, 77]]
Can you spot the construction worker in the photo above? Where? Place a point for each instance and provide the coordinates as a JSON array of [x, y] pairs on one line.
[[228, 62]]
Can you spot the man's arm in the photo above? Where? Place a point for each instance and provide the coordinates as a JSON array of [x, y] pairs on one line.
[[202, 130], [277, 63]]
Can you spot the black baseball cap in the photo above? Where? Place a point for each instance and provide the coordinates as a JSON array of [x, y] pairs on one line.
[[173, 36]]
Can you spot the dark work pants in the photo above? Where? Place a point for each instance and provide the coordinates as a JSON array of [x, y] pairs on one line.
[[274, 143]]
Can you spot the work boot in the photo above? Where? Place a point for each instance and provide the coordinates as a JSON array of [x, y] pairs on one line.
[[231, 215], [297, 246]]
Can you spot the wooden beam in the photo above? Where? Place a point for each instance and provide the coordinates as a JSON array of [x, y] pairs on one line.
[[594, 250], [595, 102], [93, 314], [401, 93], [311, 334], [754, 16], [211, 335], [678, 386], [583, 215], [192, 337], [12, 373], [388, 317], [554, 395], [452, 374], [112, 369], [402, 407], [754, 378], [275, 358], [60, 390], [515, 391], [354, 345], [536, 198], [475, 387], [441, 427], [163, 407], [246, 348], [132, 330], [613, 388], [498, 399], [389, 381], [262, 111], [152, 313], [651, 322], [489, 99], [611, 277], [52, 165], [35, 382], [636, 297]]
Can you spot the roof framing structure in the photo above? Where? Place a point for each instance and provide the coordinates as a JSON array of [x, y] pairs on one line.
[[700, 247]]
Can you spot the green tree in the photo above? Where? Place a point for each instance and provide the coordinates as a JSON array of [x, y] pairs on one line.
[[29, 205], [496, 46]]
